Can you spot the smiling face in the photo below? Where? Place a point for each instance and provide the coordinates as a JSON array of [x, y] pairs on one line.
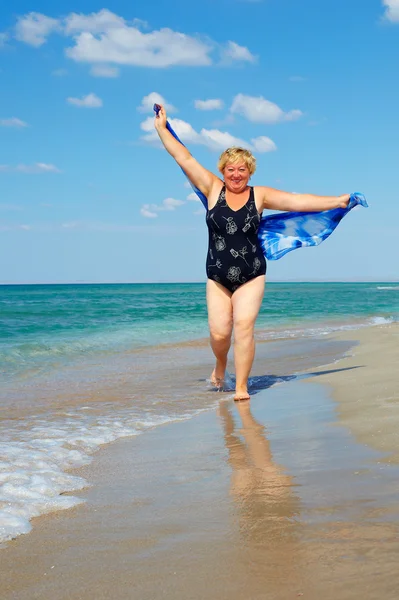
[[236, 165], [236, 176]]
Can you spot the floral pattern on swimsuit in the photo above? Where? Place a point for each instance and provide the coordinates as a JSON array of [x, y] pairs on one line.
[[234, 252]]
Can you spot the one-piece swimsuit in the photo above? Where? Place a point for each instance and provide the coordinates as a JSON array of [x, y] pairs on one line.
[[234, 253]]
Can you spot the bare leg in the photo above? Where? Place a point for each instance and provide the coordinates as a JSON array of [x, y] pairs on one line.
[[220, 318], [246, 302]]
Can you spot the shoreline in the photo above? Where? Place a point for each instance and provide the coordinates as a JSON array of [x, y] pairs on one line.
[[161, 516], [41, 454], [298, 329], [324, 352]]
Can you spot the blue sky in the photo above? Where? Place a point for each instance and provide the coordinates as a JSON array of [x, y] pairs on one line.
[[86, 194]]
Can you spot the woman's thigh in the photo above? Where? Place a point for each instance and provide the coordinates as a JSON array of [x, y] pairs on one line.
[[247, 301], [220, 309]]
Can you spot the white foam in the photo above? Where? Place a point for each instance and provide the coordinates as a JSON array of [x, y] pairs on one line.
[[324, 329], [387, 287], [381, 320], [34, 459], [35, 456]]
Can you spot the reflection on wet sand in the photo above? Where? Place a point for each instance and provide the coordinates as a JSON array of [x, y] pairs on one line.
[[342, 545], [266, 504]]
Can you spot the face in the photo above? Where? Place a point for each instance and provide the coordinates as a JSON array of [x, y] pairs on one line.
[[236, 176]]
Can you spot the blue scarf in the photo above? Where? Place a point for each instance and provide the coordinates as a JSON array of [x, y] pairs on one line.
[[283, 232]]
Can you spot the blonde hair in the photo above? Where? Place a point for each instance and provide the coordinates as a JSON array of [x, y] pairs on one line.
[[234, 155]]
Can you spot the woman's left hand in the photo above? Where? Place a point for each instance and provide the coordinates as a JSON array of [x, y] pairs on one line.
[[343, 200]]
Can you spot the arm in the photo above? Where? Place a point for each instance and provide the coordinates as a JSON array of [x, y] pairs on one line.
[[198, 175], [279, 200]]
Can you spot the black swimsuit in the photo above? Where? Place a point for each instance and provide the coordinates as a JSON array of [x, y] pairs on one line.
[[234, 253]]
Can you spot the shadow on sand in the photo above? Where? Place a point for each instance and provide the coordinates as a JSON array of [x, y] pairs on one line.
[[263, 382]]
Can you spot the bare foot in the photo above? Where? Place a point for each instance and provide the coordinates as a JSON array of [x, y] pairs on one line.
[[241, 395], [217, 377]]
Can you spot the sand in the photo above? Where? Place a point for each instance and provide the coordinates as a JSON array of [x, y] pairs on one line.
[[292, 495], [367, 393]]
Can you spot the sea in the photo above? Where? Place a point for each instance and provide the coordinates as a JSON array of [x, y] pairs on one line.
[[83, 365]]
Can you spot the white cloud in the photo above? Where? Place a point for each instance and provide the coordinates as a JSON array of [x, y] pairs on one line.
[[148, 102], [13, 122], [317, 122], [167, 204], [211, 104], [148, 125], [151, 210], [171, 203], [89, 101], [104, 71], [140, 23], [94, 23], [59, 72], [95, 226], [193, 197], [146, 212], [263, 144], [391, 10], [118, 228], [98, 226], [233, 51], [220, 140], [3, 39], [129, 46], [214, 139], [105, 37], [184, 130], [34, 28], [260, 110], [10, 207], [161, 229], [71, 225], [297, 78], [36, 168]]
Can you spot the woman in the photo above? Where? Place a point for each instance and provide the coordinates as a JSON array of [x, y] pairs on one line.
[[236, 266]]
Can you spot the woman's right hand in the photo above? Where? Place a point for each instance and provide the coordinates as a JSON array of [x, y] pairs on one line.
[[160, 119], [196, 173]]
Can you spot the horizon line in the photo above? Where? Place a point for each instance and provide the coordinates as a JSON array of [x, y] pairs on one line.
[[164, 282]]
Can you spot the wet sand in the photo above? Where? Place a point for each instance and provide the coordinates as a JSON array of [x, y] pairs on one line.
[[294, 494], [368, 392], [170, 376]]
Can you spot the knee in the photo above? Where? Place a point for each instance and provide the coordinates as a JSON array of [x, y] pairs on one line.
[[220, 336], [243, 329]]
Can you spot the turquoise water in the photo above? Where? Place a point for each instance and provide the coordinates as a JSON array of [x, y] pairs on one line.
[[41, 325], [72, 378]]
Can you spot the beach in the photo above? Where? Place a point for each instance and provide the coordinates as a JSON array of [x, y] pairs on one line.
[[293, 494], [85, 365], [367, 394], [182, 185]]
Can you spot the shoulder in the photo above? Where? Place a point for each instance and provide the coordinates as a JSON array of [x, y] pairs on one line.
[[217, 186]]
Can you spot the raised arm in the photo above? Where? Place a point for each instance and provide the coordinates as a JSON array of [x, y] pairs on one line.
[[198, 175], [287, 201]]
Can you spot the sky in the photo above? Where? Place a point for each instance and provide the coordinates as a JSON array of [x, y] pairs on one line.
[[88, 195]]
